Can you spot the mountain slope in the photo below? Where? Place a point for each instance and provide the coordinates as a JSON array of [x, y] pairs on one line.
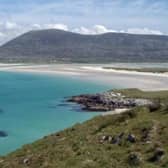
[[49, 45]]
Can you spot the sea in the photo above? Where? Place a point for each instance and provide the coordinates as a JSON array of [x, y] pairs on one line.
[[34, 105]]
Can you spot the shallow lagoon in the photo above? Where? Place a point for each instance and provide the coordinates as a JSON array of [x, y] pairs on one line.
[[32, 106]]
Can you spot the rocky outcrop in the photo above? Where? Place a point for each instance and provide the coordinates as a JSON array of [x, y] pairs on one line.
[[3, 134], [107, 101], [117, 139]]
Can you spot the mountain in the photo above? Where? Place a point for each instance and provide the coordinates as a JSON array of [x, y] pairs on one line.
[[57, 45]]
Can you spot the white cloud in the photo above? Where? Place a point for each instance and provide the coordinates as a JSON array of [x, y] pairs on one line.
[[56, 26], [2, 34], [81, 30], [9, 30], [100, 29], [97, 29], [11, 25], [143, 31], [36, 26]]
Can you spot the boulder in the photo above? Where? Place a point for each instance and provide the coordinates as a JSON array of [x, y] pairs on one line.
[[115, 140], [26, 161], [3, 134], [157, 156], [154, 106], [121, 135], [134, 159], [103, 138], [131, 138]]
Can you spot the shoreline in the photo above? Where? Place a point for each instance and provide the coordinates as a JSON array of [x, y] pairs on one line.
[[116, 111], [40, 68], [126, 71], [79, 71], [95, 73]]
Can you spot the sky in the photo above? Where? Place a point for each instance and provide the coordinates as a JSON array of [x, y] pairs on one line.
[[83, 16]]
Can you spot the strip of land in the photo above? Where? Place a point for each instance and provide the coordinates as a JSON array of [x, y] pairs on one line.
[[113, 78], [151, 70]]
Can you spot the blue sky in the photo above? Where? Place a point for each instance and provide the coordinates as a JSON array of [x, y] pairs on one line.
[[118, 15]]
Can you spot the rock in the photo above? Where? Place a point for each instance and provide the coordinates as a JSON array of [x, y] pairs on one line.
[[142, 102], [26, 161], [115, 140], [134, 159], [110, 138], [121, 135], [148, 142], [154, 106], [158, 154], [118, 94], [104, 138], [3, 134], [131, 138], [1, 161], [145, 135], [107, 101]]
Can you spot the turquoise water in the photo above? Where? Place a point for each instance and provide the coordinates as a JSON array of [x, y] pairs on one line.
[[32, 106]]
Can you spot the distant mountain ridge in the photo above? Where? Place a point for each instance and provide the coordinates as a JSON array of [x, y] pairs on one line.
[[57, 45]]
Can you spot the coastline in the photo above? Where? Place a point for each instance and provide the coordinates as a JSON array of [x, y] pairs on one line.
[[141, 133], [116, 111], [34, 104], [95, 73], [146, 81], [80, 71], [127, 71]]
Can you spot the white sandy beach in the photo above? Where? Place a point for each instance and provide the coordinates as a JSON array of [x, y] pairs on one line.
[[114, 78], [116, 111]]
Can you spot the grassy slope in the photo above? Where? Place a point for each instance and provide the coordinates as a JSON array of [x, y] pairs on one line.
[[152, 70], [79, 146]]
